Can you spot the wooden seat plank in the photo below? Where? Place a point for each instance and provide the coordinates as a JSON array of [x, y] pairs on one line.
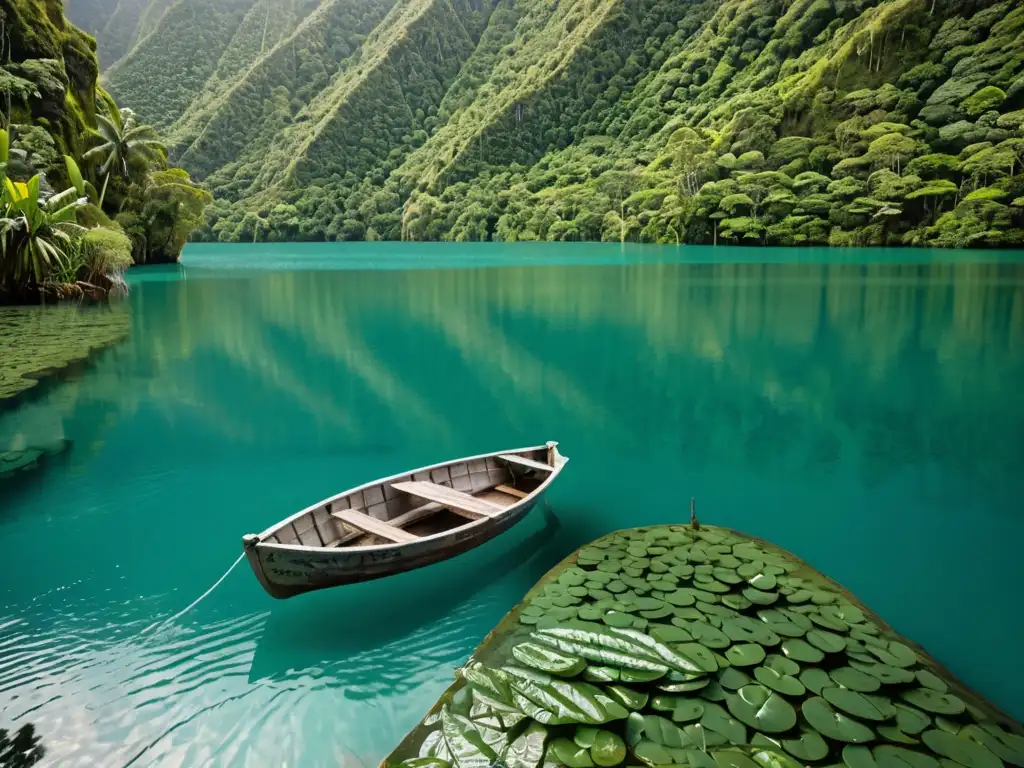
[[457, 501], [364, 522], [524, 462], [511, 491]]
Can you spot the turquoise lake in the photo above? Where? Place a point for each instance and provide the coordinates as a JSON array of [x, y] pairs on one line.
[[861, 408]]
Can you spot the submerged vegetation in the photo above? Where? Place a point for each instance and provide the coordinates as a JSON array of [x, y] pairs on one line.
[[843, 122], [701, 647], [84, 187]]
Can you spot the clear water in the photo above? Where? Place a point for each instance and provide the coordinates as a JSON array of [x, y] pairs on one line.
[[863, 409]]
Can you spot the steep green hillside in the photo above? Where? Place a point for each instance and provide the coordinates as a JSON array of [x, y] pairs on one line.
[[117, 25], [846, 122]]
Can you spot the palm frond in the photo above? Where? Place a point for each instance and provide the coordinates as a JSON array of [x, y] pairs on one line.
[[98, 152], [147, 132]]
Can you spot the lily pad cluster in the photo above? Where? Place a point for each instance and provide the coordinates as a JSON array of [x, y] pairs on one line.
[[675, 646]]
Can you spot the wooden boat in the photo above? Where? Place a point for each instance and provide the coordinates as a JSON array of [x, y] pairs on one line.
[[402, 522]]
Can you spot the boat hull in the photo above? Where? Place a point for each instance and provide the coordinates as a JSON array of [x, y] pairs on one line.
[[286, 571]]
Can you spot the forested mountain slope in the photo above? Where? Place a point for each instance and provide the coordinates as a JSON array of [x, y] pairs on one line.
[[756, 121]]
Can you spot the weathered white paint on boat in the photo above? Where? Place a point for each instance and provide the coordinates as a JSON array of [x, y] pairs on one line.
[[310, 550]]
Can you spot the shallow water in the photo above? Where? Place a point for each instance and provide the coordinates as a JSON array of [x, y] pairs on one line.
[[860, 408]]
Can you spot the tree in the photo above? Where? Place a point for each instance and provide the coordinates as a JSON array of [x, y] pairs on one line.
[[124, 144]]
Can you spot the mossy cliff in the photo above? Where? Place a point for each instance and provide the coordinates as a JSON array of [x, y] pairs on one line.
[[49, 76], [703, 648]]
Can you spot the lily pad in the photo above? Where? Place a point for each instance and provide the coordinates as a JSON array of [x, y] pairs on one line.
[[585, 735], [726, 575], [890, 756], [608, 749], [961, 749], [786, 684], [757, 597], [681, 598], [892, 733], [617, 619], [855, 680], [800, 650], [717, 719], [858, 757], [733, 678], [885, 673], [834, 725], [667, 633], [681, 710], [827, 616], [736, 602], [1007, 746], [810, 746], [745, 655], [743, 629], [705, 634], [782, 665], [860, 705], [763, 581], [781, 623], [933, 701], [800, 596], [568, 753], [815, 678], [761, 709], [910, 720], [930, 680], [703, 657], [826, 641]]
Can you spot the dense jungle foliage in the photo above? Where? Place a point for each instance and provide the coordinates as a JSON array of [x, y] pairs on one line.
[[775, 122], [85, 188]]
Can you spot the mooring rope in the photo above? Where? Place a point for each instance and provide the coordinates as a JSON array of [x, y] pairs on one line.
[[194, 603]]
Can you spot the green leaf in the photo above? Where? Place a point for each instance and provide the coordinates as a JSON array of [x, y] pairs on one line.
[[623, 648], [933, 701], [745, 654], [458, 743], [527, 750], [810, 746], [568, 753], [858, 757], [608, 749], [682, 710], [889, 756], [556, 702], [855, 680], [961, 749], [627, 697], [786, 684], [761, 709], [717, 719], [860, 705], [1008, 746], [834, 725], [547, 660], [424, 762]]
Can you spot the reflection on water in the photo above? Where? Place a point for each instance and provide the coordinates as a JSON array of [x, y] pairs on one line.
[[866, 416]]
